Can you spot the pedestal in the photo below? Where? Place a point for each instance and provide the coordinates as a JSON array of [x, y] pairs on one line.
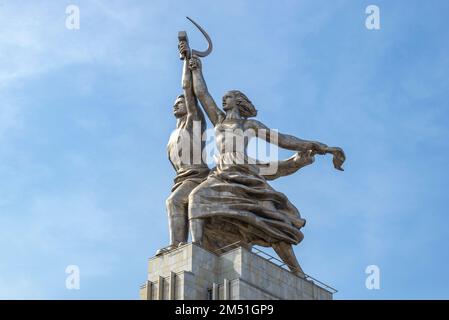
[[192, 273]]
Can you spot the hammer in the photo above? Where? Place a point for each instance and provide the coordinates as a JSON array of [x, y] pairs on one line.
[[182, 37]]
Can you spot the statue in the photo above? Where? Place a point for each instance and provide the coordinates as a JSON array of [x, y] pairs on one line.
[[190, 170], [235, 202]]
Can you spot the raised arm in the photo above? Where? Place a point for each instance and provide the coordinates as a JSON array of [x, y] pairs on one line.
[[193, 110], [290, 142], [200, 89]]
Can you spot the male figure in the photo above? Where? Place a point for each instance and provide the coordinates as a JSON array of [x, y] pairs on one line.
[[185, 149]]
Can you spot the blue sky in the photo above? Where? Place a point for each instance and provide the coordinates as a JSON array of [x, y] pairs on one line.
[[85, 116]]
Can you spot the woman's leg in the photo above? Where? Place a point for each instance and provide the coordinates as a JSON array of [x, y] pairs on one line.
[[285, 252], [197, 224], [196, 229]]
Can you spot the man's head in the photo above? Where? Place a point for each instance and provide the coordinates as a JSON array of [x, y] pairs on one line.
[[179, 108]]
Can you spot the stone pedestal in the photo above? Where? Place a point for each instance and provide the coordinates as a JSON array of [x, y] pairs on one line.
[[192, 273]]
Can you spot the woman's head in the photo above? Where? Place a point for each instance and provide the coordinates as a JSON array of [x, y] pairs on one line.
[[237, 99]]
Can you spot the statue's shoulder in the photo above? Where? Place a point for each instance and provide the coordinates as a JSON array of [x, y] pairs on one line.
[[252, 124]]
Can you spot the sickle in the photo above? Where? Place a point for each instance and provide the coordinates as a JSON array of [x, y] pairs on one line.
[[209, 41]]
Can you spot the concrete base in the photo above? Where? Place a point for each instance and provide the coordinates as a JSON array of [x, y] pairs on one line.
[[192, 273]]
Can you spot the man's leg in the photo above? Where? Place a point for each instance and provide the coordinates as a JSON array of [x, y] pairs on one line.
[[177, 213]]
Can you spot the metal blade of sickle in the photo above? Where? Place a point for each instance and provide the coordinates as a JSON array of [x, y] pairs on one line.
[[209, 41]]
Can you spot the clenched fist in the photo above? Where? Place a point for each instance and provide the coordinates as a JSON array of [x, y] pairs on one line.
[[195, 63]]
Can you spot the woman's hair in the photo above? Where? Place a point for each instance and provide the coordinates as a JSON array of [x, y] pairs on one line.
[[245, 105]]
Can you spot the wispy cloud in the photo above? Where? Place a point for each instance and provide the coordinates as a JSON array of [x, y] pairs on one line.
[[84, 122]]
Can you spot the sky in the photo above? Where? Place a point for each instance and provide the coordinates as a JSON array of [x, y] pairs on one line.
[[85, 116]]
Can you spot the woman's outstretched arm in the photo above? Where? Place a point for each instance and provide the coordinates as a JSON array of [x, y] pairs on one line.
[[290, 142], [200, 88], [284, 141]]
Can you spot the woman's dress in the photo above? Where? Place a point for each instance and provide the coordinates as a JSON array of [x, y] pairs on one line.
[[237, 203]]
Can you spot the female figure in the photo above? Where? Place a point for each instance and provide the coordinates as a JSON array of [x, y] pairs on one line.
[[235, 202]]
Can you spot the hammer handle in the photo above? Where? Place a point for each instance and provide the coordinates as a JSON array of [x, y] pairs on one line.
[[182, 37]]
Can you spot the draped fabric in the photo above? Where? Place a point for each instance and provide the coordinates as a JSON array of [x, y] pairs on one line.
[[192, 173], [238, 204]]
